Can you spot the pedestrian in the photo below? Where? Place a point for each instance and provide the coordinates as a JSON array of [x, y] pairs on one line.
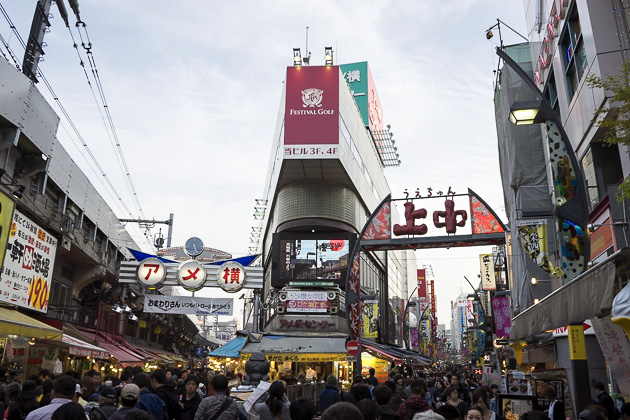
[[275, 405], [107, 398], [70, 411], [494, 391], [158, 384], [449, 412], [474, 413], [330, 395], [400, 386], [302, 409], [219, 403], [416, 402], [129, 397], [464, 394], [369, 409], [360, 390], [47, 387], [371, 379], [342, 410], [147, 401], [11, 392], [481, 399], [63, 392], [191, 399], [438, 393], [606, 401], [452, 398], [556, 407], [428, 415], [25, 402], [625, 411], [382, 395]]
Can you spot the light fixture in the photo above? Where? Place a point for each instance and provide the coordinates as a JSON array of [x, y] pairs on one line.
[[328, 56], [592, 226], [526, 112], [18, 193], [536, 301], [536, 281], [489, 34], [297, 57], [32, 341], [117, 309], [126, 309], [133, 317]]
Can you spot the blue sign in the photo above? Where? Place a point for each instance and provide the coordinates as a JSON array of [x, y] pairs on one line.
[[198, 351]]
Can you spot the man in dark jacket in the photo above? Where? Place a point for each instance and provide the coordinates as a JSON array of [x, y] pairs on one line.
[[220, 402], [148, 401], [416, 402], [371, 380], [330, 394], [360, 390], [106, 404], [158, 383], [382, 394], [191, 399], [606, 401], [128, 399]]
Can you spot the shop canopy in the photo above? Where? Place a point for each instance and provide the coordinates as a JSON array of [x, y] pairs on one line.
[[299, 349], [396, 354], [81, 348], [16, 323], [230, 349], [120, 354], [589, 295]]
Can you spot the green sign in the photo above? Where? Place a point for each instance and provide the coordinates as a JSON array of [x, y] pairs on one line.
[[311, 283], [356, 75]]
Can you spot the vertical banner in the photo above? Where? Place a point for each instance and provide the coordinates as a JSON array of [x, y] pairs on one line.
[[26, 277], [7, 205], [422, 289], [370, 318], [577, 345], [502, 319], [488, 281], [433, 309], [533, 235], [616, 348]]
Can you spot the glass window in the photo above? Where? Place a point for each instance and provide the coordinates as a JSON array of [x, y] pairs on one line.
[[573, 53], [551, 93]]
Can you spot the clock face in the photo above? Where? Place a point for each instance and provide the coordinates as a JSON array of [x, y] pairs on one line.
[[194, 247]]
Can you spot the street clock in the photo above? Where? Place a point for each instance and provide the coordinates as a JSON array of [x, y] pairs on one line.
[[193, 247]]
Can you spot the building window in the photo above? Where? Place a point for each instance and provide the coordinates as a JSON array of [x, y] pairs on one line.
[[60, 295], [572, 52], [602, 167], [551, 93]]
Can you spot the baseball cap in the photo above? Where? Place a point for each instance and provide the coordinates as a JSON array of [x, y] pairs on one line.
[[108, 392], [130, 392]]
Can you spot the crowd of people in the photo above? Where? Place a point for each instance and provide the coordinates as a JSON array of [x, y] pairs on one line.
[[201, 395]]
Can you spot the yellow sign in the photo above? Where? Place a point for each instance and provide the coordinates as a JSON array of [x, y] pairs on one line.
[[370, 318], [302, 357], [381, 366], [577, 345], [7, 205]]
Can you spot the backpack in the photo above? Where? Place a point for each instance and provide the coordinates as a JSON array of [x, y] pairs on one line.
[[90, 406]]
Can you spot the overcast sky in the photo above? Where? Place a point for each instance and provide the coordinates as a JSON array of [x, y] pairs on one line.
[[194, 89]]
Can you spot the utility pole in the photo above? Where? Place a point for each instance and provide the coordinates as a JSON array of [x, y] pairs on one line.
[[148, 224], [35, 45]]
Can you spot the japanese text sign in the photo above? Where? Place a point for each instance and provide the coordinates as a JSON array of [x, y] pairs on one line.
[[231, 276], [28, 265], [151, 273], [307, 301], [502, 319], [486, 263], [615, 346], [188, 305]]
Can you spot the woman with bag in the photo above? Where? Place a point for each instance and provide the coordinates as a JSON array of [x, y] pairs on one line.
[[276, 406]]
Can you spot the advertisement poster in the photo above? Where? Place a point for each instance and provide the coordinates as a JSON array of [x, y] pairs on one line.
[[7, 205], [533, 238], [519, 384], [28, 265], [370, 318], [502, 318], [307, 302], [188, 305], [616, 348]]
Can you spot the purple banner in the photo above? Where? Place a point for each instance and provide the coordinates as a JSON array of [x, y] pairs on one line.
[[502, 319], [414, 338]]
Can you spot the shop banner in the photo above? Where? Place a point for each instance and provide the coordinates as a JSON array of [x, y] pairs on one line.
[[370, 318], [533, 235], [188, 305], [422, 289], [28, 265], [84, 352], [502, 319], [488, 281], [616, 348], [307, 302]]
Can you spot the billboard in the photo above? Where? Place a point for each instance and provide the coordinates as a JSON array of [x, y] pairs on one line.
[[359, 79], [311, 119], [26, 276]]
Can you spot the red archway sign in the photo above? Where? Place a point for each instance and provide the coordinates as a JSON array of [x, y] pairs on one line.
[[352, 347]]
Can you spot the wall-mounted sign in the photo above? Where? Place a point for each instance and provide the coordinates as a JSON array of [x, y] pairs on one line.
[[151, 273], [307, 323], [486, 263], [370, 318], [191, 275], [188, 305], [28, 265], [298, 301], [231, 277]]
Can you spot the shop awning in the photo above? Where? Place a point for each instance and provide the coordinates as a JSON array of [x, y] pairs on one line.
[[16, 323], [81, 348], [289, 344], [381, 352], [139, 351], [120, 354], [589, 295], [230, 349]]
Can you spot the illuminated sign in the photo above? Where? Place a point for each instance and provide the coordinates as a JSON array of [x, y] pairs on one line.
[[546, 50], [151, 273], [231, 277]]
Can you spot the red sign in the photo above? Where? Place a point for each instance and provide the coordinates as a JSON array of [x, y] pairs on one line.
[[312, 108], [422, 288], [601, 240], [352, 347]]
